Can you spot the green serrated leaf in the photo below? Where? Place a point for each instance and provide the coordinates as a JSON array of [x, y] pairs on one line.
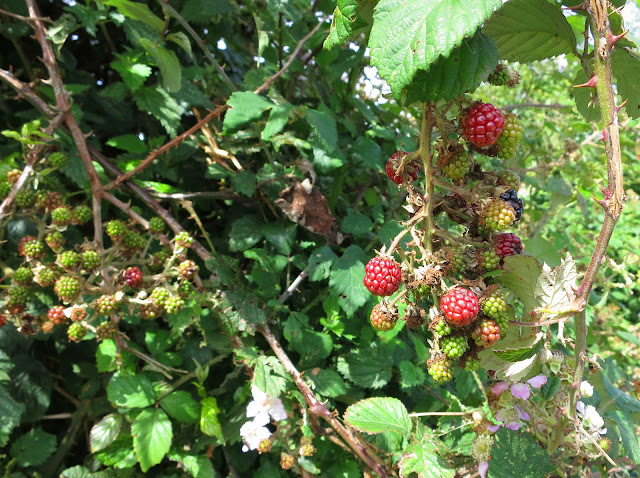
[[152, 434], [33, 448], [421, 457], [410, 374], [325, 129], [244, 182], [245, 233], [623, 401], [130, 391], [462, 71], [270, 376], [278, 119], [408, 36], [627, 434], [105, 432], [552, 285], [518, 454], [521, 353], [181, 406], [137, 11], [320, 263], [10, 411], [326, 382], [350, 18], [347, 273], [182, 40], [366, 368], [168, 64], [133, 73], [356, 223], [209, 423], [244, 106], [157, 102], [199, 466], [626, 69], [128, 142], [119, 454], [530, 30], [379, 414], [519, 275]]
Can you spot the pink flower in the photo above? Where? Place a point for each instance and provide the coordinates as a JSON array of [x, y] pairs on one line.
[[508, 419], [483, 467], [520, 390]]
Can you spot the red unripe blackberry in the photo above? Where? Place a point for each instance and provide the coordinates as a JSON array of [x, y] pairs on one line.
[[484, 124], [383, 319], [61, 216], [133, 277], [187, 269], [409, 172], [507, 245], [56, 314], [67, 288], [106, 330], [486, 333], [459, 306], [50, 200], [382, 276]]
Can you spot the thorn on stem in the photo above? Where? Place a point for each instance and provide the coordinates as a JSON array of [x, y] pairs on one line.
[[613, 39], [592, 83], [618, 108], [604, 136]]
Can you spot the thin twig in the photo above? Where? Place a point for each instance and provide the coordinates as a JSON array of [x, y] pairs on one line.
[[444, 414], [294, 285]]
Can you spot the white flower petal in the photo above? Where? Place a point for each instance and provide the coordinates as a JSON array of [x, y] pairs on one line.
[[277, 410], [258, 395], [586, 389]]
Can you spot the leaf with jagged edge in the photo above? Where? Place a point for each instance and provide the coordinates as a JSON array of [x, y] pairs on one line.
[[553, 287], [530, 30], [421, 457], [350, 18], [626, 69], [409, 36], [519, 275], [516, 354], [378, 415]]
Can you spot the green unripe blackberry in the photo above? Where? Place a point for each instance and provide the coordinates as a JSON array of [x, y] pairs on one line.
[[57, 160], [508, 178], [33, 249], [13, 175], [511, 136], [150, 311], [184, 240], [185, 289], [133, 240], [61, 216], [187, 269], [76, 332], [5, 188], [116, 229], [454, 346], [495, 304], [489, 260], [23, 276], [500, 75], [106, 304], [18, 296], [159, 295], [55, 240], [82, 214], [25, 198], [106, 330], [173, 305], [137, 210], [156, 225], [441, 369], [471, 364], [442, 328], [45, 277], [90, 260], [459, 166], [67, 288], [69, 259], [502, 320], [498, 215]]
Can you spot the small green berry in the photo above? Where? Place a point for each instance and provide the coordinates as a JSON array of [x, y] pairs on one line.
[[67, 288], [57, 160], [183, 239], [454, 346], [156, 225], [82, 214], [116, 229], [23, 276], [55, 240], [69, 259], [90, 260], [76, 332], [61, 216], [25, 198]]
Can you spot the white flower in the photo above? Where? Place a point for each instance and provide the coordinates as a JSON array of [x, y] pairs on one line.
[[253, 433], [586, 389], [591, 419], [262, 406]]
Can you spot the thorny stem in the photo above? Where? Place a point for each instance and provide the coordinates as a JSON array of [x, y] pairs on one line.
[[447, 235], [427, 160], [614, 196]]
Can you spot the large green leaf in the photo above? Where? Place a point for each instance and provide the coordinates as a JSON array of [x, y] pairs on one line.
[[168, 64], [33, 448], [181, 406], [137, 11], [347, 273], [244, 106], [623, 401], [518, 454], [105, 432], [152, 434], [408, 36], [326, 382], [379, 414], [462, 71], [350, 18], [366, 368], [626, 69], [130, 391], [520, 275], [10, 411], [627, 434], [157, 102], [209, 422], [421, 458], [530, 30]]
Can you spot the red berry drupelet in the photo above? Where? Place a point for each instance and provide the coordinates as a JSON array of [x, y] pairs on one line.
[[459, 306], [187, 269], [410, 170], [382, 276], [486, 333], [507, 245], [484, 124], [56, 314], [133, 277], [382, 319]]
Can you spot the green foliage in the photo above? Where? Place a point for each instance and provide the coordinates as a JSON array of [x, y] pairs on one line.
[[377, 415], [517, 454]]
